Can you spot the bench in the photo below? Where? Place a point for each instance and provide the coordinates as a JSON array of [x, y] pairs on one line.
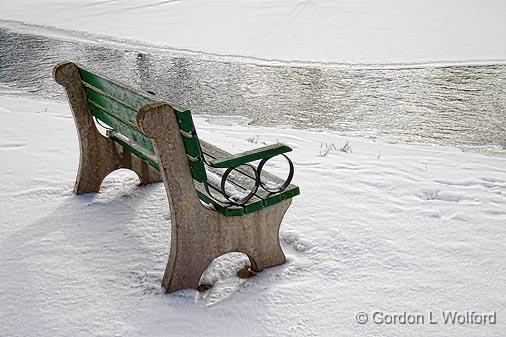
[[219, 203]]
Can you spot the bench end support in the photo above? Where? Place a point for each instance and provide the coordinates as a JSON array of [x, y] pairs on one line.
[[193, 249], [99, 155]]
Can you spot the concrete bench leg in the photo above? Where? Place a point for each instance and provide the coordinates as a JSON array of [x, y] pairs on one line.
[[264, 250], [199, 235], [197, 242], [99, 155]]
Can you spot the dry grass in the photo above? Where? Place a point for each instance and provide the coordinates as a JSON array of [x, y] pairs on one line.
[[326, 148]]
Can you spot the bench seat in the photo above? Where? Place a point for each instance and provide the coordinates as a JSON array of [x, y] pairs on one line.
[[241, 178]]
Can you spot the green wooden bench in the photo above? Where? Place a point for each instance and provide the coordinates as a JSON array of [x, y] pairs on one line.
[[219, 202]]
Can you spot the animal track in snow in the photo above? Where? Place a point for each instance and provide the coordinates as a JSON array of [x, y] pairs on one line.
[[436, 194], [12, 145], [295, 242], [490, 184]]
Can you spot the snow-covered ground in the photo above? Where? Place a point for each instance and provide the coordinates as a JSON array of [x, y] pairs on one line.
[[329, 31], [391, 228]]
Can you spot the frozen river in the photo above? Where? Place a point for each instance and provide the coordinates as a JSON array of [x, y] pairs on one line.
[[463, 106]]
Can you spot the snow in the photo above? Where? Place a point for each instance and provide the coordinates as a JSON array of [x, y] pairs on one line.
[[323, 31], [383, 227]]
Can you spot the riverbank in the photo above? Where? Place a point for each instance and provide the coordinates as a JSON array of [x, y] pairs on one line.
[[382, 227]]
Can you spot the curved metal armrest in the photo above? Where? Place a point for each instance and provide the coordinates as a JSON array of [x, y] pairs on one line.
[[249, 156]]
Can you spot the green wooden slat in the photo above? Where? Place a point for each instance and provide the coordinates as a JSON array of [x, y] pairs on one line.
[[192, 148], [131, 97], [254, 204], [290, 193], [121, 127], [118, 110], [185, 120], [134, 148], [249, 156], [219, 206], [273, 199], [191, 145], [198, 170]]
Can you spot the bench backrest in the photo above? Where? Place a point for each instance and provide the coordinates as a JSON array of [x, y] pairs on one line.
[[117, 106]]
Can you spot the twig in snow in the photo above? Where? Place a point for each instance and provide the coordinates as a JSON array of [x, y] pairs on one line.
[[326, 148], [346, 148]]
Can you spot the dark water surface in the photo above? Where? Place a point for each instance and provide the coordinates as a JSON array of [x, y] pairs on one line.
[[462, 106]]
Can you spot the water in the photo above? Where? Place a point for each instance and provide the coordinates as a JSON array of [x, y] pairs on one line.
[[463, 106]]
